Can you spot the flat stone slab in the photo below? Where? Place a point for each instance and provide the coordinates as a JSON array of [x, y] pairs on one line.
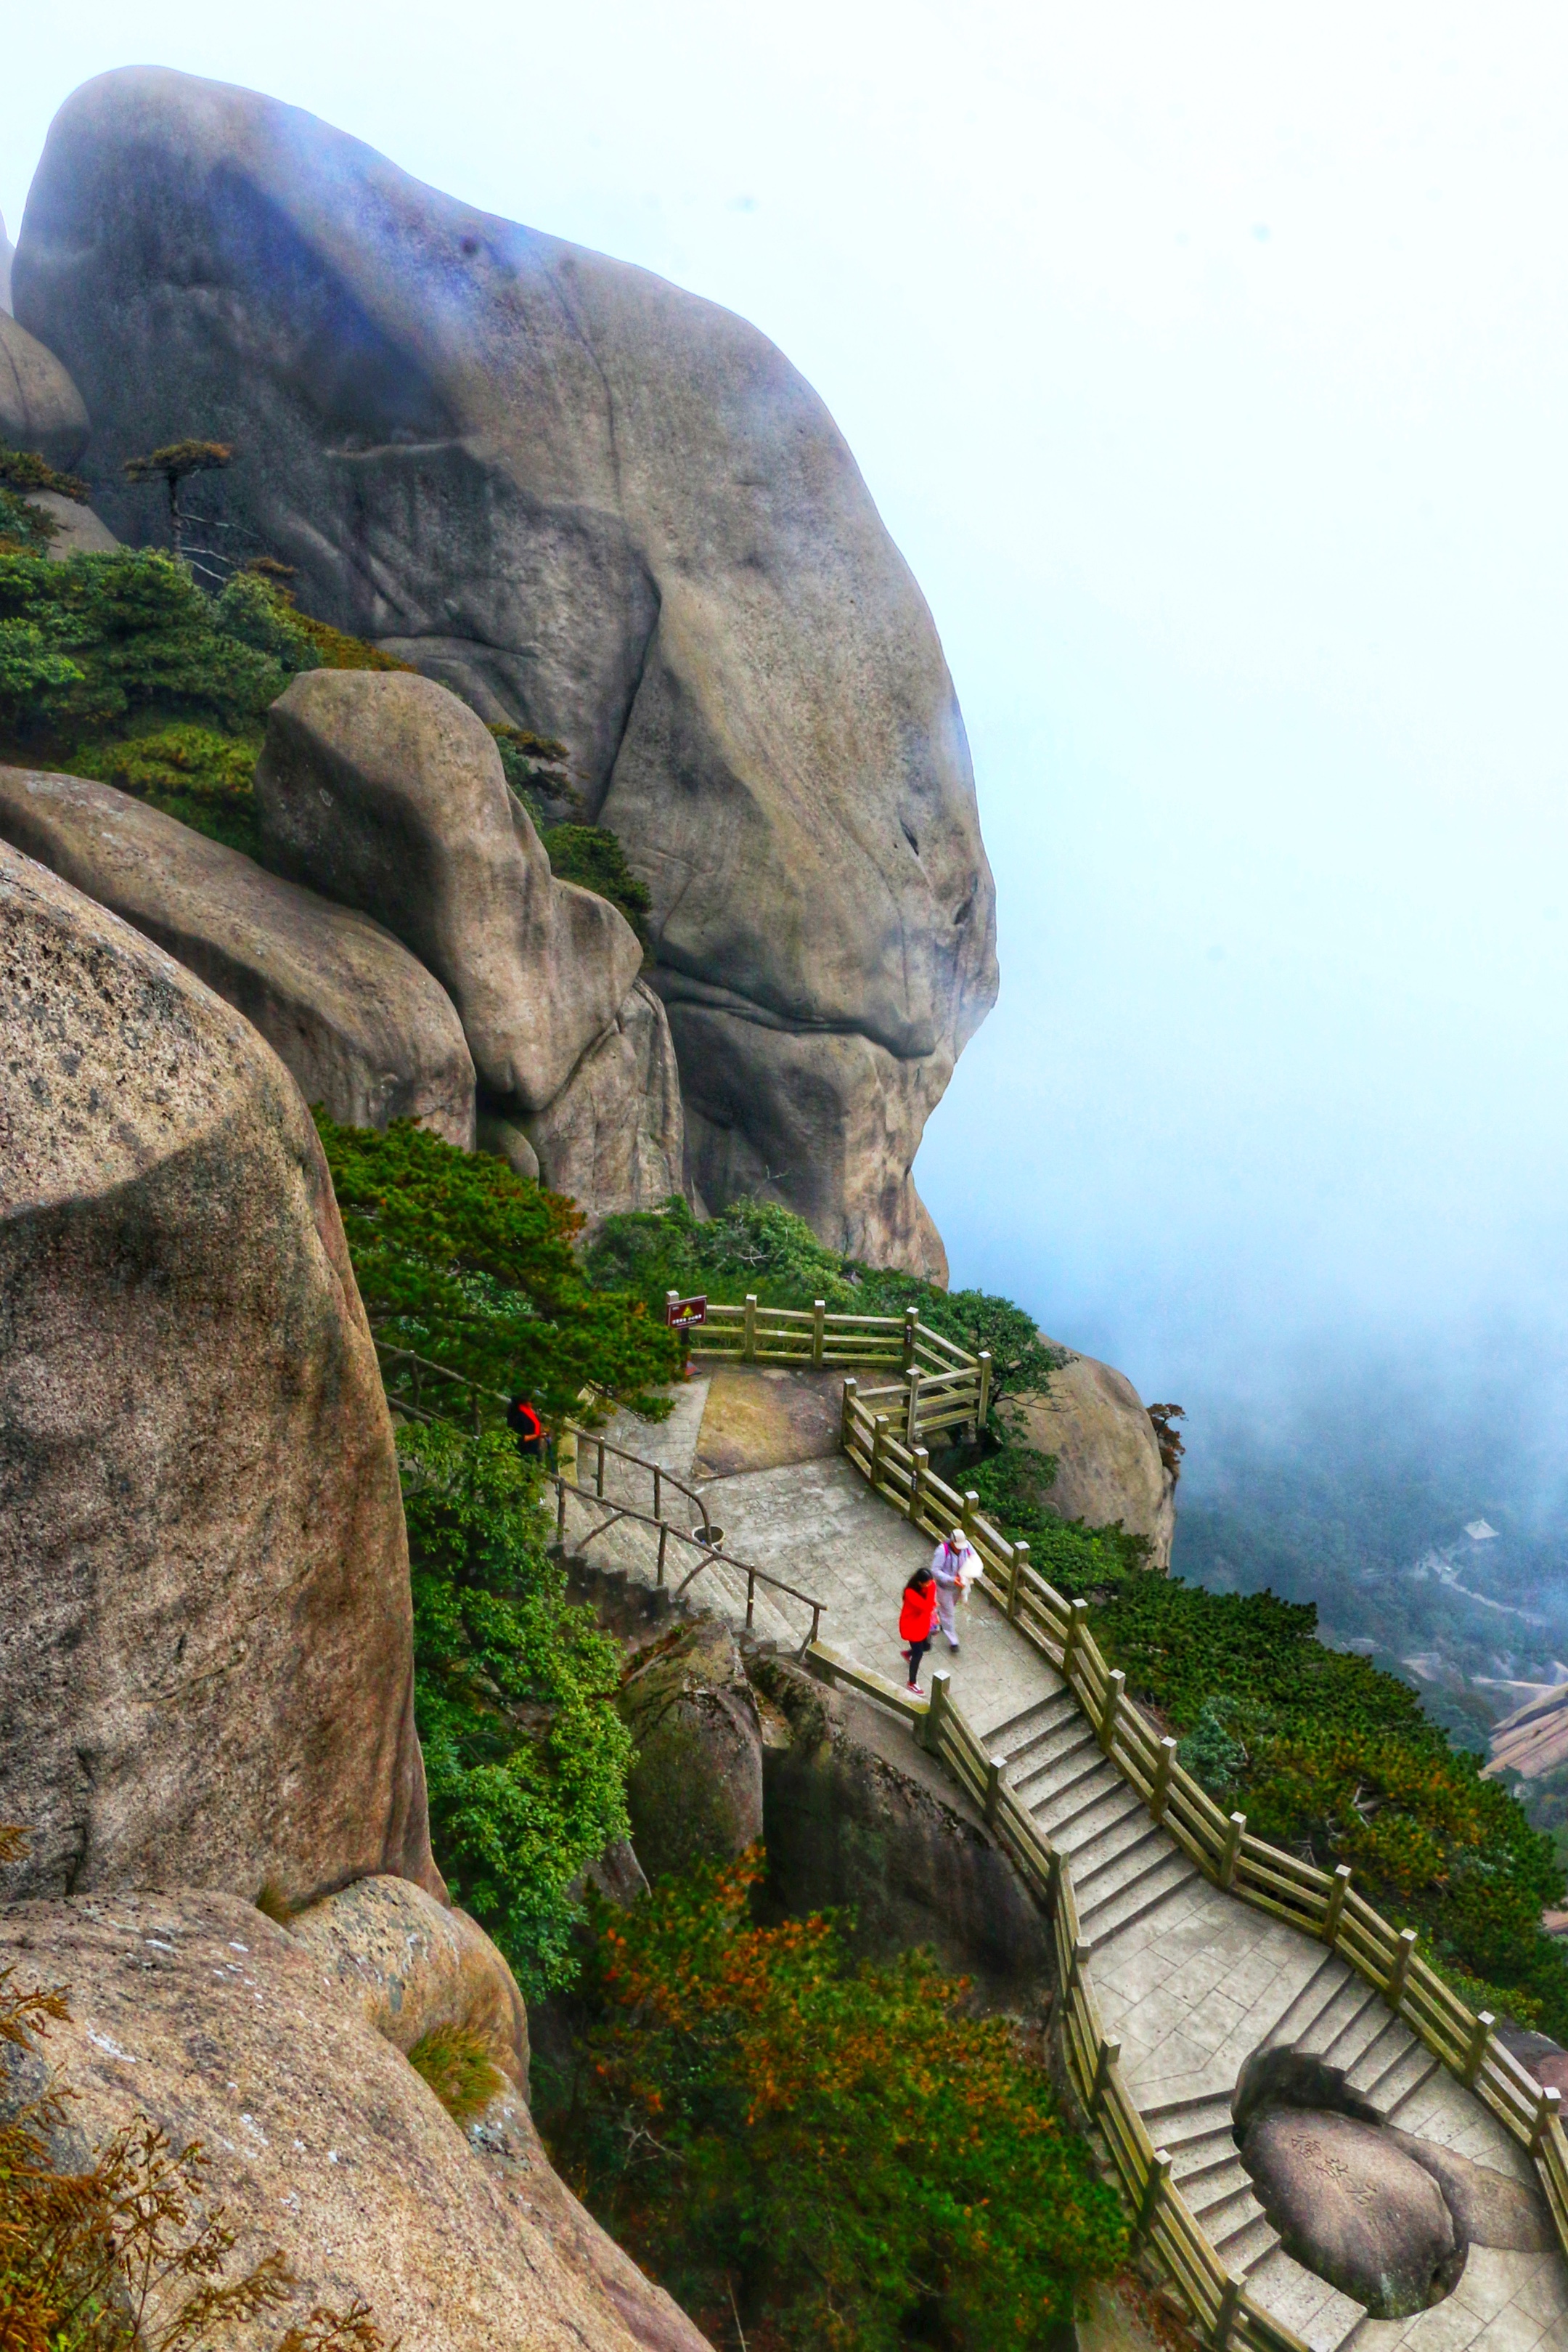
[[767, 1419]]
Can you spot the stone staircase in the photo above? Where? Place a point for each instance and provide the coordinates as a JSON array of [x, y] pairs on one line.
[[1138, 1894]]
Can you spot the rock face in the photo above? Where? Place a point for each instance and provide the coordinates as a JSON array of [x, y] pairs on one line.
[[1350, 2204], [695, 1793], [614, 1135], [856, 1816], [409, 1964], [1108, 1458], [359, 1025], [206, 1651], [40, 407], [198, 2012], [388, 794], [6, 250], [608, 511], [79, 530]]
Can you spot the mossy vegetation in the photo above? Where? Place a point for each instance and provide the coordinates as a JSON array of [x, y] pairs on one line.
[[824, 2155]]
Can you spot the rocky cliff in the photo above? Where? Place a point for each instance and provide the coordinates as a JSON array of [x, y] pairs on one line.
[[1109, 1463], [606, 510]]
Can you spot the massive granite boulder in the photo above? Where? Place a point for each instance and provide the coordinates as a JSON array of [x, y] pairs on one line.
[[695, 1790], [1350, 2204], [271, 2049], [387, 794], [358, 1023], [205, 1643], [605, 509], [40, 407], [1109, 1465]]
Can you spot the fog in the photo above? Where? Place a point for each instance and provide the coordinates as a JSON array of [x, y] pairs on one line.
[[1211, 368]]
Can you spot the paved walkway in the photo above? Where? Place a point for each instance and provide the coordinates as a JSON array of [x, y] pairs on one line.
[[1190, 1979]]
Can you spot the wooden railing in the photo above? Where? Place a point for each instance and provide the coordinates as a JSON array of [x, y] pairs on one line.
[[1226, 2314], [1322, 1904], [938, 1385], [411, 1380]]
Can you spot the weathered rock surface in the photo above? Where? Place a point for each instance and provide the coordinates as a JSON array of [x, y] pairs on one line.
[[856, 1816], [607, 510], [614, 1136], [1108, 1458], [359, 1025], [695, 1793], [385, 792], [78, 530], [205, 1651], [40, 407], [1352, 2206], [1487, 2207], [201, 2013], [6, 251], [409, 1964]]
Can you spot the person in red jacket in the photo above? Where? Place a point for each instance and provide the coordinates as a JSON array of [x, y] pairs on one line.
[[915, 1619]]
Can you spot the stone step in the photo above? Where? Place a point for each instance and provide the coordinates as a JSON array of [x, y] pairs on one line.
[[1302, 2301], [1247, 2241], [1113, 1863], [1022, 1735], [1370, 2022], [1103, 1811], [1198, 2164], [1388, 2078], [1348, 2003], [1195, 2133], [1167, 1875], [1326, 1980], [1219, 2194], [1054, 1782]]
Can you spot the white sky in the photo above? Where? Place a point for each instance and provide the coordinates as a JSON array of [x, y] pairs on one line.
[[1211, 367]]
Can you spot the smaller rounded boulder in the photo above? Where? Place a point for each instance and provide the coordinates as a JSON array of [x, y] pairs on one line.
[[1350, 2205], [40, 407]]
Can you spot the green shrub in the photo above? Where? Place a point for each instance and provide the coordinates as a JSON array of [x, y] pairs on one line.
[[524, 1756], [848, 2151], [191, 773], [591, 856], [25, 528], [473, 1266], [24, 469]]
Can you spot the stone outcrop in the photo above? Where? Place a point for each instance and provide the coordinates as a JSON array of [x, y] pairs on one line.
[[857, 1817], [614, 1135], [206, 1651], [40, 407], [78, 530], [695, 1792], [359, 1024], [1108, 1456], [1352, 2206], [410, 1965], [196, 2011], [6, 251], [385, 792], [605, 509]]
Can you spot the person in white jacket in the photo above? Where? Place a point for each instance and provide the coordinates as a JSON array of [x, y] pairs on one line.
[[953, 1563]]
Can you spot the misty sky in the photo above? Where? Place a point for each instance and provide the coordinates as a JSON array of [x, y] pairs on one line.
[[1211, 368]]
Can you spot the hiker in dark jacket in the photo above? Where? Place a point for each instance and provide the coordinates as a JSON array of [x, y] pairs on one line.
[[523, 1420]]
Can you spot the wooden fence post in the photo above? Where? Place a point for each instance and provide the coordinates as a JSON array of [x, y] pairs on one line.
[[1545, 2117], [983, 1401], [1399, 1971], [1160, 1794], [847, 1417], [1154, 2190], [819, 1320], [1337, 1893], [971, 1512], [917, 1484], [996, 1766], [1115, 1690], [1110, 2053], [878, 1440], [560, 1512], [1077, 1626], [929, 1731], [1226, 2320], [1234, 1834], [1015, 1579], [1078, 1962], [910, 1327], [911, 1410], [749, 1330], [1475, 2056]]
